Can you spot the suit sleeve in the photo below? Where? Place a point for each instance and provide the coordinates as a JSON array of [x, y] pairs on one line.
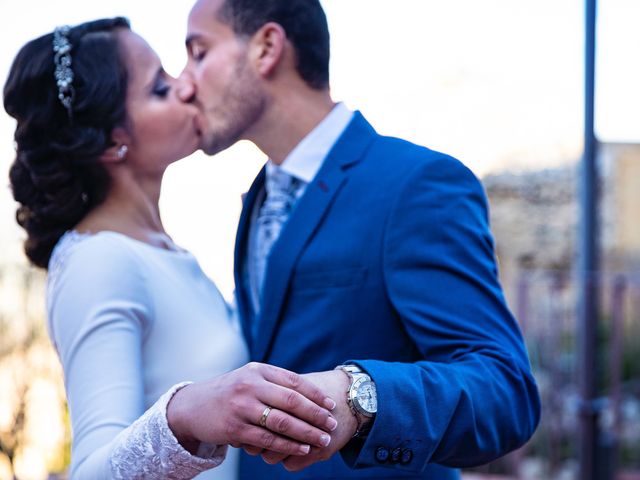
[[472, 397]]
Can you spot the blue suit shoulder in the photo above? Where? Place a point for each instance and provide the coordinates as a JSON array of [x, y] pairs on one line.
[[404, 154], [399, 161]]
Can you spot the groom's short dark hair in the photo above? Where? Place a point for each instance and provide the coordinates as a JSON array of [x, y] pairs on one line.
[[304, 23]]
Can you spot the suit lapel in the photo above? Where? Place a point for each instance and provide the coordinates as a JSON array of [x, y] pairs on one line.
[[243, 295], [307, 216]]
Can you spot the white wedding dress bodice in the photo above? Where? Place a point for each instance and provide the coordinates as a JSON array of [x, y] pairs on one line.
[[130, 322]]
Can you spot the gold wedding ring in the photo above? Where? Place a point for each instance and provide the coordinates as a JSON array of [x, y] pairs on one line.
[[263, 418]]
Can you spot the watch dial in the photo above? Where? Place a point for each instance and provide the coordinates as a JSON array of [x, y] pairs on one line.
[[367, 397]]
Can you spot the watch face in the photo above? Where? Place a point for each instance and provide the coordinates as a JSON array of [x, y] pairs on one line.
[[367, 397]]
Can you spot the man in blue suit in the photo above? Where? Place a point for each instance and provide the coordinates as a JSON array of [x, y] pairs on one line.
[[361, 252]]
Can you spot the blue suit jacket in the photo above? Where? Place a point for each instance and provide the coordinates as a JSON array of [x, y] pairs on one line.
[[387, 261]]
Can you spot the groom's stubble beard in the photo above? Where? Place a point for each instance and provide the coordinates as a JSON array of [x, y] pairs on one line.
[[241, 106]]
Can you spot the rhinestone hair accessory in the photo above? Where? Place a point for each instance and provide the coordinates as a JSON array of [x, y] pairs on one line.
[[62, 61]]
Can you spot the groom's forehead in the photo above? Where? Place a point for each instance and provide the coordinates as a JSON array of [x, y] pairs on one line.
[[204, 19], [206, 9]]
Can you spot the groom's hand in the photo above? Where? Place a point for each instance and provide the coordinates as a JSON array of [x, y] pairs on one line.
[[232, 409], [335, 384]]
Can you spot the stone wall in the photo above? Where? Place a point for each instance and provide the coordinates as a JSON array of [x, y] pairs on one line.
[[625, 195], [535, 215]]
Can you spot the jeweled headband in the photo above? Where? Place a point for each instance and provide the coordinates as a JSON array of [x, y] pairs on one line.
[[62, 61]]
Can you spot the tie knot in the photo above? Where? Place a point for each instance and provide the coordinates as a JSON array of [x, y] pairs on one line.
[[279, 181]]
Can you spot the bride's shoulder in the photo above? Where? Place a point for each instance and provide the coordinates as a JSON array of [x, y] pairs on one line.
[[94, 248], [94, 256], [88, 275]]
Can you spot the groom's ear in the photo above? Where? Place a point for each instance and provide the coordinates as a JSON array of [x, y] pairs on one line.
[[121, 141], [268, 48]]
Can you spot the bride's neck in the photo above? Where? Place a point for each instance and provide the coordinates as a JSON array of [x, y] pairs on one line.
[[130, 207]]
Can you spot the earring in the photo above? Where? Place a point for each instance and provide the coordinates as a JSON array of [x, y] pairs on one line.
[[122, 152]]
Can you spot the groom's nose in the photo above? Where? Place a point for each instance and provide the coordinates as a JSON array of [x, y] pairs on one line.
[[186, 87]]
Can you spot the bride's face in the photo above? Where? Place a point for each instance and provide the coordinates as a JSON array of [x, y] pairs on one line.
[[162, 128]]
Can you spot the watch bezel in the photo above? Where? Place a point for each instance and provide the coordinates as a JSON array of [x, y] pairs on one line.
[[359, 379]]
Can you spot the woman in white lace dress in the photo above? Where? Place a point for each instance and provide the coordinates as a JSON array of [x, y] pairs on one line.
[[131, 314]]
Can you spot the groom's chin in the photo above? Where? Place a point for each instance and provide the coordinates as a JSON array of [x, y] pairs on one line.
[[211, 146]]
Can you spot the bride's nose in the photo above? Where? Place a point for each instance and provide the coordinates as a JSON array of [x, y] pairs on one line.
[[186, 87]]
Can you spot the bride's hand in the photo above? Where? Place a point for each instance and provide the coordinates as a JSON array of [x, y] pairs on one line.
[[230, 409]]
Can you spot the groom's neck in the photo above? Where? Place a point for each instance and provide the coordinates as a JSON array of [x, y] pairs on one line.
[[289, 118]]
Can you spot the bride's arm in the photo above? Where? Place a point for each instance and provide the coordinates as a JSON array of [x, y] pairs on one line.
[[99, 314]]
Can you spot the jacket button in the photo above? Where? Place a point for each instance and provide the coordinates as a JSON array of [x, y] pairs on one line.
[[407, 456], [382, 454], [396, 454]]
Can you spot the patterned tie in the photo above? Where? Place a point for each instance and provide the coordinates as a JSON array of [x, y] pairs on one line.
[[281, 196]]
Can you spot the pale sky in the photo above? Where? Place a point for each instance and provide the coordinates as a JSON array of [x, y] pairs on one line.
[[496, 83]]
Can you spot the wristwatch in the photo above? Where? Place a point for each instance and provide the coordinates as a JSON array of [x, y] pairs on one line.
[[361, 397]]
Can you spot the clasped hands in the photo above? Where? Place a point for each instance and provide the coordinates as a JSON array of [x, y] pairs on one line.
[[269, 411]]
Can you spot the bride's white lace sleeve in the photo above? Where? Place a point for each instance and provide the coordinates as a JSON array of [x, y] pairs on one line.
[[148, 448]]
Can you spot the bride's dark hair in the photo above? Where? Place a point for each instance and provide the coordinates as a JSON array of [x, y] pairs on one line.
[[56, 176]]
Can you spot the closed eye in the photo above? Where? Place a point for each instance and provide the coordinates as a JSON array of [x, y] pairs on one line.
[[160, 86], [198, 53], [161, 90], [195, 49]]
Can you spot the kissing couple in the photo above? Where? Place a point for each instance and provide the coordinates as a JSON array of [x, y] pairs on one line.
[[370, 337]]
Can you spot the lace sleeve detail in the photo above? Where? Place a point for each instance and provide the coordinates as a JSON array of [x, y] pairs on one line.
[[148, 449]]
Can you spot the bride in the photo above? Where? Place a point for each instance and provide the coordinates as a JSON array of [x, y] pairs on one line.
[[131, 314]]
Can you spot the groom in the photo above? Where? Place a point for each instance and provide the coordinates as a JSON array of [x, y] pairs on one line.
[[360, 251]]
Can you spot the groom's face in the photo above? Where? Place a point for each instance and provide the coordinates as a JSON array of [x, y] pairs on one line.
[[226, 90]]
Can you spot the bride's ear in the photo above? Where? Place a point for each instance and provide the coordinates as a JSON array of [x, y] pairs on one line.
[[118, 151]]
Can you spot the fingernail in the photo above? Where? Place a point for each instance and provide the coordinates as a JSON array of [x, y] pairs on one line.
[[330, 404], [304, 449], [332, 423], [325, 440]]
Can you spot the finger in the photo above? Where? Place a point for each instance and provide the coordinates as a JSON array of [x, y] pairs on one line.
[[298, 383], [272, 457], [297, 405], [265, 439], [253, 451], [295, 464], [289, 426], [292, 466]]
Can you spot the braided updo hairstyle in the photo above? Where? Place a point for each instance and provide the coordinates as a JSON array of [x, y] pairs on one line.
[[57, 177]]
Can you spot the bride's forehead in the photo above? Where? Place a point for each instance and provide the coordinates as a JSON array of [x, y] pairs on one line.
[[134, 44], [138, 54]]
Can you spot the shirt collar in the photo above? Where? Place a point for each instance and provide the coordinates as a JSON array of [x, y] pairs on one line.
[[307, 157]]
